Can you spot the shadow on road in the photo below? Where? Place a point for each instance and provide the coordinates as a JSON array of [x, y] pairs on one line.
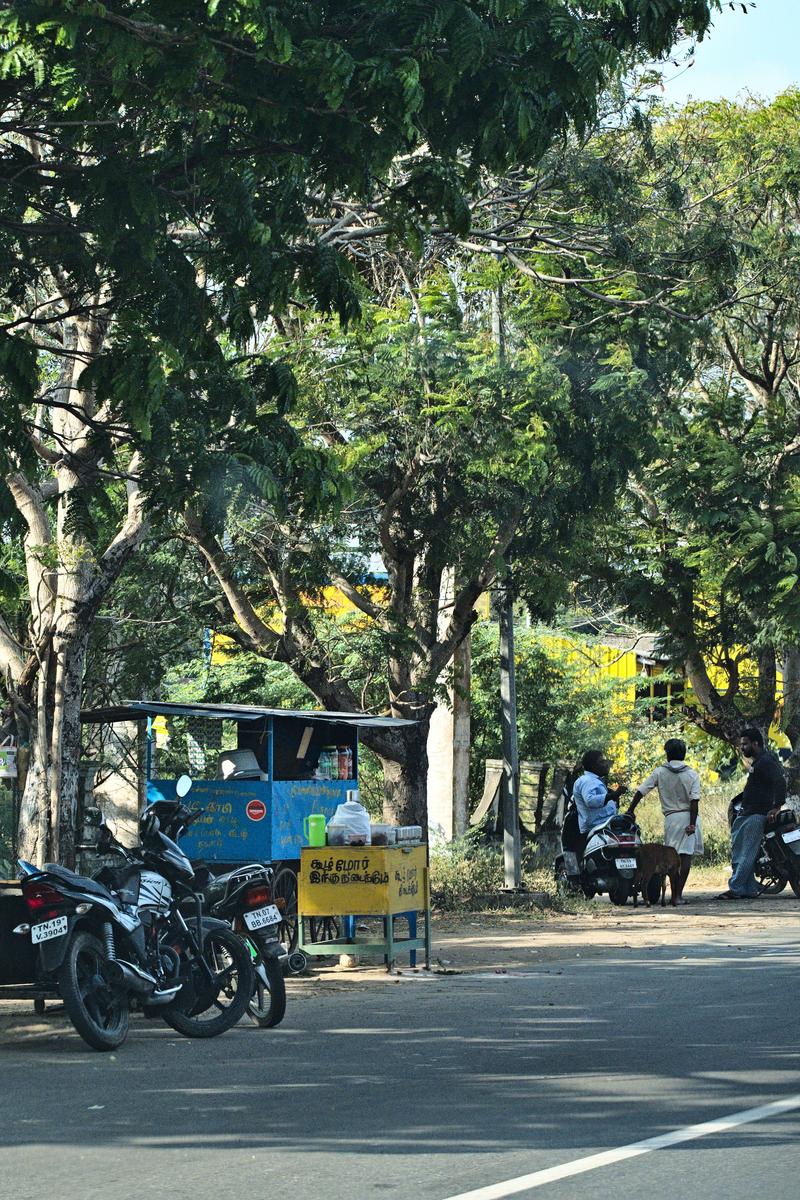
[[576, 1053]]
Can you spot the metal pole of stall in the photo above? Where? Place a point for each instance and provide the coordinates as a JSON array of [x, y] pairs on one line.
[[148, 750]]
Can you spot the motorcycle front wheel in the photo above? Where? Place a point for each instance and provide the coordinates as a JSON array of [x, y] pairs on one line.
[[267, 1006], [99, 1011], [211, 1000], [565, 886]]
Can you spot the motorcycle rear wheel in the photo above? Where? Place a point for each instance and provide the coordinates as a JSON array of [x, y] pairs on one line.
[[99, 1012], [284, 894], [620, 893], [205, 1009], [267, 1005]]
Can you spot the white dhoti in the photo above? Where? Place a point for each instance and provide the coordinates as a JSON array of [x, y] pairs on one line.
[[675, 834]]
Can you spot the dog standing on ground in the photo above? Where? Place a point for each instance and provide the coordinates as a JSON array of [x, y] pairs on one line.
[[656, 859]]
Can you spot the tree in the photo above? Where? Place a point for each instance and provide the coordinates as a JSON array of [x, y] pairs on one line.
[[710, 537], [169, 176], [564, 707], [443, 458]]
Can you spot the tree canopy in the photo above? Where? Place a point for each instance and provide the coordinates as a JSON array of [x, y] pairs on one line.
[[708, 547], [174, 177]]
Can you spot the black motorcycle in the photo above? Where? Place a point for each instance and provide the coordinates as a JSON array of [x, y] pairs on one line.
[[244, 897], [778, 860], [120, 940]]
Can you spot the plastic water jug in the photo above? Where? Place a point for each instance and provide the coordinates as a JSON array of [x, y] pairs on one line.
[[314, 829], [354, 818]]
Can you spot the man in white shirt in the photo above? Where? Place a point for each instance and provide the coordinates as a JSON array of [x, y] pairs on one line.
[[679, 791]]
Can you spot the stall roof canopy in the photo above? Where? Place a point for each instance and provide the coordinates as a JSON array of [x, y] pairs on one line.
[[140, 710]]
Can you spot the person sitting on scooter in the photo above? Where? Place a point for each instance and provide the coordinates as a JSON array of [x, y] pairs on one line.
[[594, 800]]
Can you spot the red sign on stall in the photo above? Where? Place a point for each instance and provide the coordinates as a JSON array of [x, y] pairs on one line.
[[256, 810]]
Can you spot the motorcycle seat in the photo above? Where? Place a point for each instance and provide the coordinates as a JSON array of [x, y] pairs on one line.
[[79, 882], [249, 871]]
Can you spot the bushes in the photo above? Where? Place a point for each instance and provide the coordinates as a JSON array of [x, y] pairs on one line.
[[464, 872], [467, 873]]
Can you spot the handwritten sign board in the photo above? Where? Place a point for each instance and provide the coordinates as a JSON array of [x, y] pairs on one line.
[[252, 820], [224, 833], [292, 800], [362, 880]]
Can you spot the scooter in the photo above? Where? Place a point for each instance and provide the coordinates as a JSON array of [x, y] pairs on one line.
[[602, 860]]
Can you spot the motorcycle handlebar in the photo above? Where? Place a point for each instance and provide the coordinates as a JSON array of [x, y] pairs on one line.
[[192, 815]]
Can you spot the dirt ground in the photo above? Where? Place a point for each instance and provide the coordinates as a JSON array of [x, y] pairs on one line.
[[474, 944], [502, 941]]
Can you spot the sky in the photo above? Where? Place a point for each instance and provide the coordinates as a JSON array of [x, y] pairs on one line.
[[757, 52]]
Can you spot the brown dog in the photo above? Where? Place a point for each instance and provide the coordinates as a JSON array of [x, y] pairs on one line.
[[656, 859]]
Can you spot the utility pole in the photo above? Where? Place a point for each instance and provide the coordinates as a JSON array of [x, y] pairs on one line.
[[512, 866], [509, 784]]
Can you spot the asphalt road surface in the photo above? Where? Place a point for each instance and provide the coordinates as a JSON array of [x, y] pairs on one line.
[[492, 1084]]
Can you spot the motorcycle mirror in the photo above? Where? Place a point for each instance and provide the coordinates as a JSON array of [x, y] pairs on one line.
[[183, 786]]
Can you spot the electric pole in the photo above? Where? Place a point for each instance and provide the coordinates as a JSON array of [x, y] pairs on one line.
[[509, 784]]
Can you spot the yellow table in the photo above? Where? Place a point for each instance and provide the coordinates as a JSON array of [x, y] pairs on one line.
[[365, 881]]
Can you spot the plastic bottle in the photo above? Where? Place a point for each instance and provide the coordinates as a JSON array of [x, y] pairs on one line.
[[328, 762], [344, 762]]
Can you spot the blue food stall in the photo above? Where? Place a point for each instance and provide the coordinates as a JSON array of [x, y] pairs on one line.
[[273, 768]]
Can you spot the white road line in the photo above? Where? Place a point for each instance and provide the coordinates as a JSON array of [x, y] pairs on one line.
[[523, 1183]]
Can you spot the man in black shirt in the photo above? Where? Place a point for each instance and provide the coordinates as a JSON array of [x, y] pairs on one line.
[[763, 795]]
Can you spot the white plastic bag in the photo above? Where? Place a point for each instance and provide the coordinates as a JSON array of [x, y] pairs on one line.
[[353, 818]]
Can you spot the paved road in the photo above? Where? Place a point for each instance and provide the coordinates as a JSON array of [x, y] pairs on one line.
[[432, 1089]]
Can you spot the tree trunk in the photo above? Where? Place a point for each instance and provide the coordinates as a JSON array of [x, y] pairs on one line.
[[404, 757], [791, 715], [34, 813], [65, 742]]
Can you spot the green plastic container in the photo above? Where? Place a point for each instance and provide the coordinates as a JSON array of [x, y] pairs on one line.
[[314, 829]]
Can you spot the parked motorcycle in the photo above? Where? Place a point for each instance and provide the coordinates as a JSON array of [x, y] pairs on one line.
[[604, 860], [121, 940], [244, 898], [778, 860]]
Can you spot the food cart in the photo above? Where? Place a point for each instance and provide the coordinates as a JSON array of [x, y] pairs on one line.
[[340, 884], [256, 813]]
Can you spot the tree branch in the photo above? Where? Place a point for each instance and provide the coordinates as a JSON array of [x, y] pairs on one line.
[[260, 636]]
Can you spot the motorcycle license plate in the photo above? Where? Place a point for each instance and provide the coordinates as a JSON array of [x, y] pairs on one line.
[[48, 929], [626, 864], [792, 836], [259, 917]]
